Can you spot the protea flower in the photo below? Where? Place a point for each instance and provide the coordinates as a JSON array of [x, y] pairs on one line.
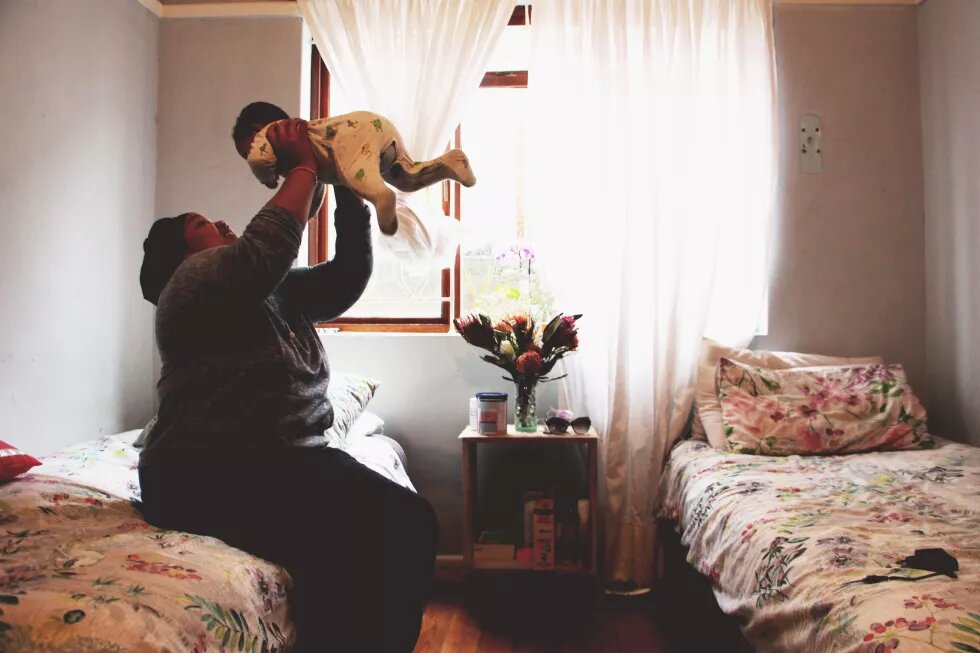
[[529, 363], [562, 333], [476, 330], [517, 321], [516, 344]]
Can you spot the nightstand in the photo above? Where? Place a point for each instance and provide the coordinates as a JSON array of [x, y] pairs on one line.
[[471, 441]]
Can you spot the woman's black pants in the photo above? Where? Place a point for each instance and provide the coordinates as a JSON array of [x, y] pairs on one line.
[[360, 548]]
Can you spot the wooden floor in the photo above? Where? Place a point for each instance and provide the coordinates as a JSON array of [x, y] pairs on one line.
[[453, 624]]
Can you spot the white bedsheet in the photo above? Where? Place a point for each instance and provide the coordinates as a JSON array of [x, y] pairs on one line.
[[110, 463]]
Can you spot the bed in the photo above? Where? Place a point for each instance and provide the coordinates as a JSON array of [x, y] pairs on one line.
[[81, 571], [781, 539]]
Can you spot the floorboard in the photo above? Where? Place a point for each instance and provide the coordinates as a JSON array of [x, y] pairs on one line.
[[490, 642], [464, 633], [435, 624], [455, 623]]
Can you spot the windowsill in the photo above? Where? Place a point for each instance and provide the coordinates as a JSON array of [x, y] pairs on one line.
[[366, 330], [386, 334]]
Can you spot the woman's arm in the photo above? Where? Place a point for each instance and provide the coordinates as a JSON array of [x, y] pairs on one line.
[[318, 194], [251, 268], [324, 292], [291, 141]]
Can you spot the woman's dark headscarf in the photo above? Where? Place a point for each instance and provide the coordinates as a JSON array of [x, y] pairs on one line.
[[163, 252]]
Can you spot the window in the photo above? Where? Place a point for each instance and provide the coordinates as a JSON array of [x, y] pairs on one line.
[[490, 272]]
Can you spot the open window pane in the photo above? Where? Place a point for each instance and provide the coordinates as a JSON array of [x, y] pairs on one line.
[[513, 50], [396, 291], [493, 267]]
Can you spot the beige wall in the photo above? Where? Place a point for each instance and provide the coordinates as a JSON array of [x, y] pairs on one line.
[[949, 38], [78, 103], [848, 275], [209, 70]]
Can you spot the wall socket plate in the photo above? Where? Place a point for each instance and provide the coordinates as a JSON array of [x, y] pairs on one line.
[[811, 152]]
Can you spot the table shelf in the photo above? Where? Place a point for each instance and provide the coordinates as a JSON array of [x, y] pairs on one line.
[[471, 440]]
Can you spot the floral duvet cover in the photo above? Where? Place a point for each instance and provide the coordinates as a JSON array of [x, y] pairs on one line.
[[781, 539], [81, 571]]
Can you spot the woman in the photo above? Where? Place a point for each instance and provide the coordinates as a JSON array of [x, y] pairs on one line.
[[243, 385]]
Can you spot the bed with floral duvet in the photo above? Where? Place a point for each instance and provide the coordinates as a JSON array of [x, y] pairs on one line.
[[782, 538], [81, 571]]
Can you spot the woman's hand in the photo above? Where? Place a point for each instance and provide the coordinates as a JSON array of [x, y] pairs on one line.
[[225, 231], [291, 141]]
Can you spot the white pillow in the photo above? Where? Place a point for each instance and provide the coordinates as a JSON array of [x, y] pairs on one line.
[[706, 401], [349, 395], [140, 440], [367, 424]]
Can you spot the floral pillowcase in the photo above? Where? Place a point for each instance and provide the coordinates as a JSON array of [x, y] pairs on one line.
[[349, 395], [819, 410]]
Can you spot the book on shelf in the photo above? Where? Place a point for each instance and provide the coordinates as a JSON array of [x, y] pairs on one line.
[[556, 532], [544, 534], [584, 533], [551, 533], [566, 533], [493, 551], [524, 557], [494, 548], [499, 536], [530, 498]]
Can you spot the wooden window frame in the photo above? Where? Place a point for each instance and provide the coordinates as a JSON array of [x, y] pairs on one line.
[[451, 282], [318, 246]]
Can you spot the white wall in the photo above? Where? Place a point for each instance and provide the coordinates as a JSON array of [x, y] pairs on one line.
[[848, 275], [78, 102], [949, 47], [209, 70]]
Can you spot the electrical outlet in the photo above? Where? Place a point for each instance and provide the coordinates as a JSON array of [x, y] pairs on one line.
[[810, 148]]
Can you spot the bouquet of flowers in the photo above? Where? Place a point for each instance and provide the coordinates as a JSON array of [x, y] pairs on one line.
[[525, 350]]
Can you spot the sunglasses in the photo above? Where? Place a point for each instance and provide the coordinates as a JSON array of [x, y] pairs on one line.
[[559, 425]]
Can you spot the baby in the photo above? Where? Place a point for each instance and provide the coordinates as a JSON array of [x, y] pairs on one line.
[[360, 150]]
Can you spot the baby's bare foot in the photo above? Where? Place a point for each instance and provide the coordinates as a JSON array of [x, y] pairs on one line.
[[459, 164]]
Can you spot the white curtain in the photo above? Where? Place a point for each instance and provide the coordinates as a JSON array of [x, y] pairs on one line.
[[650, 185], [415, 62]]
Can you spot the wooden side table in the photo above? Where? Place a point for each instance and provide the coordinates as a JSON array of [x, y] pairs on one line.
[[470, 439]]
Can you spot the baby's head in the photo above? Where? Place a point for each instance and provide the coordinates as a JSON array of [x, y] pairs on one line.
[[251, 120]]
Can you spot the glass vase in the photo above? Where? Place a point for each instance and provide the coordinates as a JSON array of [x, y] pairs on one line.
[[525, 420]]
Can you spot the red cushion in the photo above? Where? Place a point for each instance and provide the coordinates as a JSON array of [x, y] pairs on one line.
[[13, 462]]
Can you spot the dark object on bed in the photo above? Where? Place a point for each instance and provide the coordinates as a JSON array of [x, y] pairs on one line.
[[935, 560], [938, 561]]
